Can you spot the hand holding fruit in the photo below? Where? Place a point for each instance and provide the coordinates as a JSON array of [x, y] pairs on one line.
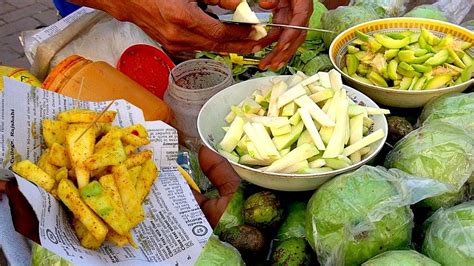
[[182, 25]]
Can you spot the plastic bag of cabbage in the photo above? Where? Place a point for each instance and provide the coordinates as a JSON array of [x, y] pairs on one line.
[[216, 253], [455, 108], [450, 236], [358, 215], [384, 8], [442, 148], [401, 258]]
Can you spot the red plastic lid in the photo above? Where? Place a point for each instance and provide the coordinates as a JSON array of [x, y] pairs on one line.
[[148, 66]]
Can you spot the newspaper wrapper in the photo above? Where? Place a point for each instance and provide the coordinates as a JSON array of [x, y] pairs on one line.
[[174, 230]]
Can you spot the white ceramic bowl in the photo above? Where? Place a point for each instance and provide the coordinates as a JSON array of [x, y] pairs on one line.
[[211, 120], [388, 96]]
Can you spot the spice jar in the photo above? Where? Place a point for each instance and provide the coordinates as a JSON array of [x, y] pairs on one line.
[[191, 84]]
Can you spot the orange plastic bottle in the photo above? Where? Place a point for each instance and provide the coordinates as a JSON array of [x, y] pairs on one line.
[[102, 82]]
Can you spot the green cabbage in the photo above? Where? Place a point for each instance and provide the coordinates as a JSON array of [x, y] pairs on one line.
[[42, 256], [318, 63], [344, 17], [384, 8], [450, 236], [315, 20], [426, 11], [358, 215], [438, 151], [217, 253], [456, 109], [233, 213], [401, 258]]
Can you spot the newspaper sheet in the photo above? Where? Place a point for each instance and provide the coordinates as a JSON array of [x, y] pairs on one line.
[[174, 229]]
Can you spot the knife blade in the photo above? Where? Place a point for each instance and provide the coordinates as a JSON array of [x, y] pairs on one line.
[[95, 120], [275, 25]]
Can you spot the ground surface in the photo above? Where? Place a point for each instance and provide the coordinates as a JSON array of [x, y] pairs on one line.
[[17, 16]]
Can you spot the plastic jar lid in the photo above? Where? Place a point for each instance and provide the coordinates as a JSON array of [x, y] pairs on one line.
[[148, 66]]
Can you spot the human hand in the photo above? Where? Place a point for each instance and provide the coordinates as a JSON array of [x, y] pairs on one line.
[[291, 12], [23, 217], [223, 177], [181, 25]]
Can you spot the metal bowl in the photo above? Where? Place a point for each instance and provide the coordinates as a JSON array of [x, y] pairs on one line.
[[394, 97], [211, 120]]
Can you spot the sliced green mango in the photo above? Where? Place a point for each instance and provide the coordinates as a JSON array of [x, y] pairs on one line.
[[363, 69], [396, 35], [467, 60], [414, 37], [390, 53], [413, 82], [406, 56], [466, 74], [352, 49], [377, 79], [421, 59], [344, 69], [362, 36], [364, 47], [438, 59], [424, 44], [437, 82], [419, 84], [446, 41], [457, 61], [405, 66], [409, 74], [422, 68], [390, 43], [405, 83], [362, 79], [419, 51], [430, 38], [392, 70], [374, 45], [351, 63]]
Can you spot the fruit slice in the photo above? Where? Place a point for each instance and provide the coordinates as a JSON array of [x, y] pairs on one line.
[[314, 110], [336, 143], [300, 153], [437, 82], [243, 13], [311, 127], [439, 58], [390, 43], [365, 141], [233, 135], [377, 79], [290, 95], [285, 141]]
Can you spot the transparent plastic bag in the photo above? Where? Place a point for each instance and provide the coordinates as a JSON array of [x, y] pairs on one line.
[[344, 17], [450, 236], [358, 215], [232, 215], [440, 152], [401, 257], [216, 253], [384, 8], [455, 109], [454, 10]]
